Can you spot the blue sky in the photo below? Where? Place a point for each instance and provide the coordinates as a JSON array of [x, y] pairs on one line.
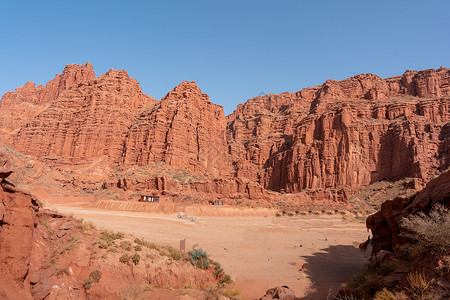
[[233, 49]]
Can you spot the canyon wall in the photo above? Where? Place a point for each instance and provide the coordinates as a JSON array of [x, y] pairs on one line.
[[344, 133], [347, 133]]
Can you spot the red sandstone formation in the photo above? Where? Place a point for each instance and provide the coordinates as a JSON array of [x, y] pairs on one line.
[[344, 133], [341, 134], [183, 130], [86, 121], [19, 107]]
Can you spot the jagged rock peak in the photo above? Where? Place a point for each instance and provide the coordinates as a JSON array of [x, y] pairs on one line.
[[113, 73], [186, 91]]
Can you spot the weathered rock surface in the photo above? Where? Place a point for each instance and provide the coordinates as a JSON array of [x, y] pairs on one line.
[[339, 135], [344, 133], [19, 107], [184, 130], [17, 218], [279, 292], [86, 121]]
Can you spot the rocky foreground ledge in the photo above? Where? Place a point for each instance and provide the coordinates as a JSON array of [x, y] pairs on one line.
[[411, 247]]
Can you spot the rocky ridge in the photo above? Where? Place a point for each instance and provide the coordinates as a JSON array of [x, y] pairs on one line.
[[321, 142]]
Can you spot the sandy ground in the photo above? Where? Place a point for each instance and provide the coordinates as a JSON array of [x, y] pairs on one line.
[[259, 252]]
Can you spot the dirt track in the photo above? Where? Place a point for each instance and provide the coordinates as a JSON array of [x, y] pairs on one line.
[[258, 252]]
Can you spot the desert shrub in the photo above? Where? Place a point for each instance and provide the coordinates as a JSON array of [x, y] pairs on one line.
[[87, 227], [384, 294], [107, 239], [94, 276], [347, 297], [227, 279], [136, 258], [134, 293], [124, 258], [199, 258], [431, 231], [218, 270], [138, 248], [87, 284], [126, 245], [370, 278], [62, 272], [419, 286]]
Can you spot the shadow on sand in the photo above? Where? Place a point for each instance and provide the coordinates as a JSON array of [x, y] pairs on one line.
[[330, 268]]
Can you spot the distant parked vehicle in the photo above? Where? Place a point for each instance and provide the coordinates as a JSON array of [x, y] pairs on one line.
[[217, 202], [149, 199]]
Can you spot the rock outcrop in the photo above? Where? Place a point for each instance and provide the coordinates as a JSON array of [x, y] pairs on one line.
[[184, 130], [87, 121], [19, 107], [17, 217], [385, 223]]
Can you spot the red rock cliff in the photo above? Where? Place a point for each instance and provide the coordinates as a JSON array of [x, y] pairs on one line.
[[86, 121], [344, 133], [185, 130]]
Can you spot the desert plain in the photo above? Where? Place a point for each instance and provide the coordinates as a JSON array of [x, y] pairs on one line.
[[314, 255]]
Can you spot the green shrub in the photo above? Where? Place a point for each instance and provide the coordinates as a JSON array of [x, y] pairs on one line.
[[199, 258], [227, 279], [106, 239]]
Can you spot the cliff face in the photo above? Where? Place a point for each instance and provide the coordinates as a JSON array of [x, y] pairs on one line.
[[184, 130], [17, 216], [19, 107], [344, 133], [341, 134], [84, 122]]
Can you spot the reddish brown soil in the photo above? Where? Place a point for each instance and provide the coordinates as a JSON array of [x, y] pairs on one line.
[[257, 251]]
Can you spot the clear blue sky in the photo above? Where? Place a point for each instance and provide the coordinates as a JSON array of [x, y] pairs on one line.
[[233, 49]]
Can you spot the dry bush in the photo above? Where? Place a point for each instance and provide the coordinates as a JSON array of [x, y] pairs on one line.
[[384, 294], [431, 231], [419, 286]]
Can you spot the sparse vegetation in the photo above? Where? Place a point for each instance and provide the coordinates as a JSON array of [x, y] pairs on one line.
[[107, 239], [94, 277], [124, 258], [125, 245], [136, 258], [384, 294], [431, 231], [199, 258], [62, 272], [370, 278], [419, 286]]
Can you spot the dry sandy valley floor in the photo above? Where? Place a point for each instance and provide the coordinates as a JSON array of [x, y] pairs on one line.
[[259, 252]]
